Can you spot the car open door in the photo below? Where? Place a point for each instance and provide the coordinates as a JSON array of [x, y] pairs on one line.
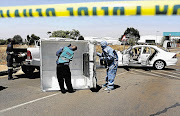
[[145, 53], [126, 57]]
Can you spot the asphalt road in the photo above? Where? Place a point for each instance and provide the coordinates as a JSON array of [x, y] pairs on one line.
[[138, 92]]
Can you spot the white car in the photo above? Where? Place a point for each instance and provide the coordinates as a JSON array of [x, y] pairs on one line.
[[146, 55]]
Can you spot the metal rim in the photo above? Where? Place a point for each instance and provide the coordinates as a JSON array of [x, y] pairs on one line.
[[159, 64]]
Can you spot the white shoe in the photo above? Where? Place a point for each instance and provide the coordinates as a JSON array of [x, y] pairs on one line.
[[108, 89]]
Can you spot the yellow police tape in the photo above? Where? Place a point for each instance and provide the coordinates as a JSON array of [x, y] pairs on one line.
[[116, 8]]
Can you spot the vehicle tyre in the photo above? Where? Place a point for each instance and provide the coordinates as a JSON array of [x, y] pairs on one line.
[[159, 65], [28, 70]]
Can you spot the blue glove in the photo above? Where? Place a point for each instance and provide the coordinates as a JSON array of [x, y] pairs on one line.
[[69, 45]]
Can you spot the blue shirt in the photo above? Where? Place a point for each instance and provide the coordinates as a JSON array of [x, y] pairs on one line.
[[58, 54]]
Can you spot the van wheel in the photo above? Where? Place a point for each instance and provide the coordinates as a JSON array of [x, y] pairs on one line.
[[159, 65], [28, 70]]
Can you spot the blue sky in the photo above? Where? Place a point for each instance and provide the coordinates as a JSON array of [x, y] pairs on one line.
[[113, 26]]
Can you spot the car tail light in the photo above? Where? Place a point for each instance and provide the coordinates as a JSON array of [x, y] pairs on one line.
[[29, 56], [174, 56]]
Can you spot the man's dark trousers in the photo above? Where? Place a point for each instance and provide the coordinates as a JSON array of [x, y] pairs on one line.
[[10, 66], [64, 74]]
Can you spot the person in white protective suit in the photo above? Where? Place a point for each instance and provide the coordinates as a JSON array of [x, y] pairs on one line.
[[110, 56]]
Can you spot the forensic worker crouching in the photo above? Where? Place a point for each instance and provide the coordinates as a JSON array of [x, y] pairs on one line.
[[9, 58], [65, 55], [110, 56]]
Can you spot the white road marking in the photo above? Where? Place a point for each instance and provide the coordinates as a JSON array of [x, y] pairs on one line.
[[155, 74], [147, 73], [178, 69], [13, 107], [176, 73], [167, 75]]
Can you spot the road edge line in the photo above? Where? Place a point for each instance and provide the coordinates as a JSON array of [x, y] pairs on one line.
[[16, 106]]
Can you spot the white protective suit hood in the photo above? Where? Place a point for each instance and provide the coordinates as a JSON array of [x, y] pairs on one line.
[[103, 44]]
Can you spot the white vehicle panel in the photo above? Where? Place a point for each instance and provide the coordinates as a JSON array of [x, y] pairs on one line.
[[34, 52], [82, 66]]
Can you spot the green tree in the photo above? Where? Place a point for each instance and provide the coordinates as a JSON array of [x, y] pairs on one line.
[[34, 37], [81, 38], [30, 40], [59, 33], [74, 34], [132, 35], [17, 39], [3, 42]]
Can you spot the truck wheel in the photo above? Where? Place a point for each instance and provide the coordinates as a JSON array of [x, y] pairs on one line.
[[159, 64], [28, 70]]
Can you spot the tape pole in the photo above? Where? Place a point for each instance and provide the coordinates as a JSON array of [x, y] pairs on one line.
[[116, 8]]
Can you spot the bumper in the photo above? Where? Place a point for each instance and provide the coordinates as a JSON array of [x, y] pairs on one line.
[[35, 62], [171, 62]]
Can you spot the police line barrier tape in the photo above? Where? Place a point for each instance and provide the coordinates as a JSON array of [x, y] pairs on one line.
[[116, 8]]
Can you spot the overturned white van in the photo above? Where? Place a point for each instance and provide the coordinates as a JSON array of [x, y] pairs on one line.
[[83, 67]]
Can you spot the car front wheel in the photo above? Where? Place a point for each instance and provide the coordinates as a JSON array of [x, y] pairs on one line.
[[159, 64]]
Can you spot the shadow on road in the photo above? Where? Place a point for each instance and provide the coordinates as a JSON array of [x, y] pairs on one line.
[[99, 87], [116, 86], [96, 89], [35, 75], [169, 69], [128, 68], [166, 109], [2, 73], [2, 88]]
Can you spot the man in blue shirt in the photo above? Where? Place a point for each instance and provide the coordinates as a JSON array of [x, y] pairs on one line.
[[65, 55], [111, 58]]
